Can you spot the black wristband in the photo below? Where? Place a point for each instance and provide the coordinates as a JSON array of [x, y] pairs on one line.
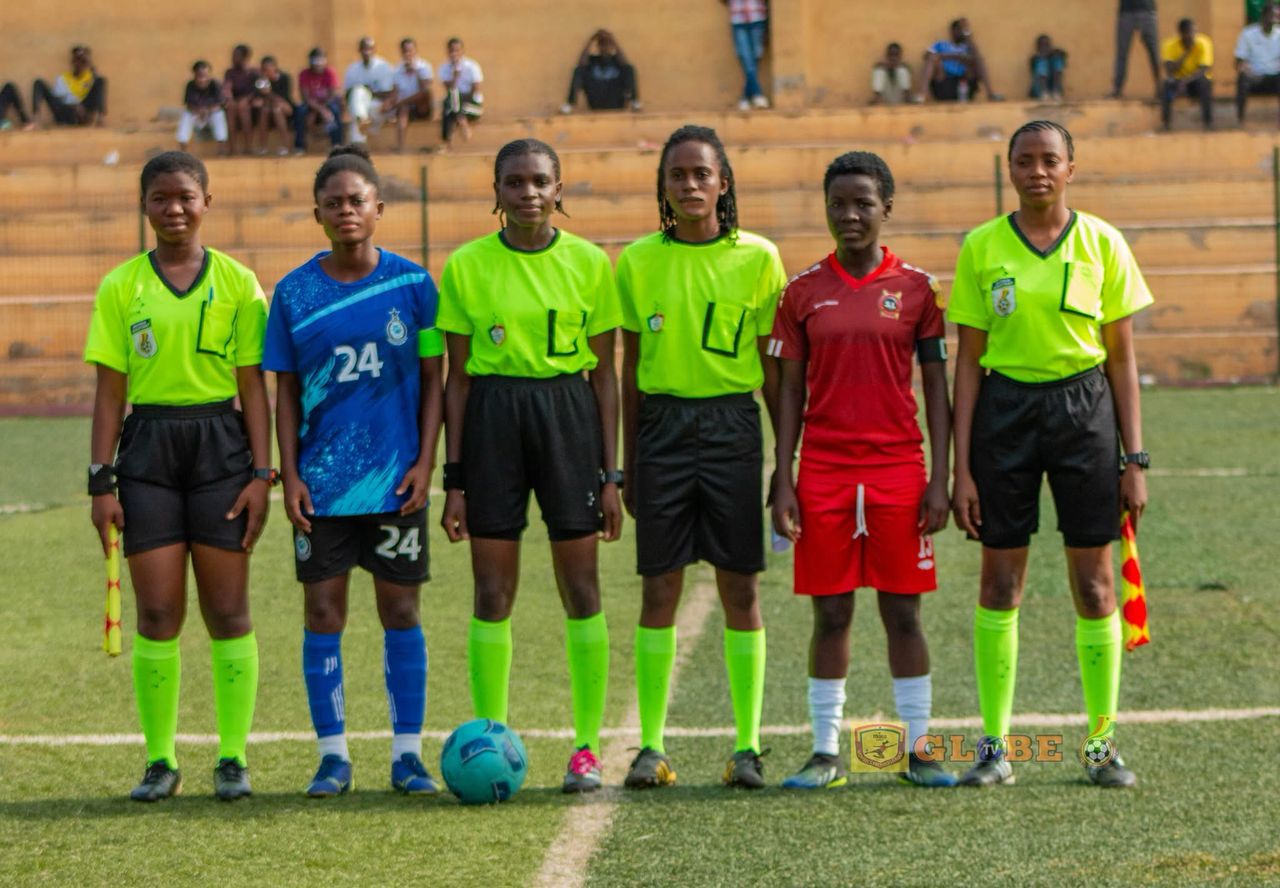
[[616, 476], [102, 480], [454, 479]]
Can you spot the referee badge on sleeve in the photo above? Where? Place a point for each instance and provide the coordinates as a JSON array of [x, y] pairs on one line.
[[144, 338], [1004, 300]]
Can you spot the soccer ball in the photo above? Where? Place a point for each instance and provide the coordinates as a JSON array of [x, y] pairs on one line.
[[1096, 752], [483, 761]]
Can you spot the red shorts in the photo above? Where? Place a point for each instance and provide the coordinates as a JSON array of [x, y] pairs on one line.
[[862, 529]]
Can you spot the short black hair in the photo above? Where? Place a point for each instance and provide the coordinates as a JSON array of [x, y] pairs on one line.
[[726, 204], [242, 47], [174, 162], [861, 163], [894, 45], [200, 63], [353, 158], [1185, 24], [267, 60], [1040, 126], [406, 41], [453, 40], [519, 148]]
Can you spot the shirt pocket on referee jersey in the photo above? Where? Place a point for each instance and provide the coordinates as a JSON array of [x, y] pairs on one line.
[[1082, 289], [217, 327], [564, 326], [722, 327]]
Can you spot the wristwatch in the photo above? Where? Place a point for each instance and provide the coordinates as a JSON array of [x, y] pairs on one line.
[[615, 476], [271, 476], [1141, 459]]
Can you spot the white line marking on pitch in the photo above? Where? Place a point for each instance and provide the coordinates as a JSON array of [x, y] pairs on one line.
[[586, 824], [21, 508], [628, 731]]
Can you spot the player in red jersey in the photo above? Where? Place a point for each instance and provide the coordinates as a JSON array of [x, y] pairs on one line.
[[846, 332]]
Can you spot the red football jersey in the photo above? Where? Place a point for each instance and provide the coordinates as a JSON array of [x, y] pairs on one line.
[[859, 338]]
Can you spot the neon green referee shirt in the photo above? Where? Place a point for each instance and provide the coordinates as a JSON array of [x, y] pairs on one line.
[[699, 309], [178, 348], [528, 313], [1043, 312]]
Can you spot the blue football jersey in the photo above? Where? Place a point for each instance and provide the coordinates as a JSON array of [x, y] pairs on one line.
[[355, 349]]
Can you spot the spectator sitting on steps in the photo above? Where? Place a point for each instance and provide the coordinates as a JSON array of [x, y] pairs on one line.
[[604, 76]]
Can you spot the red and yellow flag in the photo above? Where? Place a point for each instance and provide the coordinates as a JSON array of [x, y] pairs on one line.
[[1133, 594]]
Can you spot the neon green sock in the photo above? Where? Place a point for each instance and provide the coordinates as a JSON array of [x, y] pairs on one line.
[[587, 644], [1098, 647], [157, 675], [235, 690], [744, 660], [995, 650], [655, 660], [489, 664]]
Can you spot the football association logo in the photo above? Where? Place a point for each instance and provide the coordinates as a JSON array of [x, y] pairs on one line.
[[144, 339], [302, 546], [498, 334], [397, 332], [879, 747], [655, 322], [890, 305], [1004, 298]]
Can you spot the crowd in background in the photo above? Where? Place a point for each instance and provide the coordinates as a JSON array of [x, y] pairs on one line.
[[256, 108]]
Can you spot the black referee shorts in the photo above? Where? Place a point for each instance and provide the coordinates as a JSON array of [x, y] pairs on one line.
[[180, 470], [698, 486], [1065, 429], [524, 434]]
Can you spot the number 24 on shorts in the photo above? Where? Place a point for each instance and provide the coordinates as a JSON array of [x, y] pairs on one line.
[[396, 544]]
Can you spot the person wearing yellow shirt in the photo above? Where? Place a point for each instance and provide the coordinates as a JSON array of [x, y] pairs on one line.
[[78, 97], [1188, 68], [531, 406], [178, 333], [1046, 383]]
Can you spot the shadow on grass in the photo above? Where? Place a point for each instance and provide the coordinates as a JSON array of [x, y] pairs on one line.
[[269, 805]]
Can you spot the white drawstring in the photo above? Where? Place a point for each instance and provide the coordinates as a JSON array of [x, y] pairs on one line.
[[861, 529]]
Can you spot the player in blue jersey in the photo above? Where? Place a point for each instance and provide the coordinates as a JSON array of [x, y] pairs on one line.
[[352, 339]]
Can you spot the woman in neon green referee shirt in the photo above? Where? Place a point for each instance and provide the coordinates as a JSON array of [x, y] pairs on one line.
[[1047, 384]]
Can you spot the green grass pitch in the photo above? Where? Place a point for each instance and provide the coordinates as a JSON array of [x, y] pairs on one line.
[[1205, 812]]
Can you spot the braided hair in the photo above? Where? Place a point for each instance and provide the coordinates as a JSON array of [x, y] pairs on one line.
[[726, 204], [861, 163], [1041, 126], [519, 148], [353, 158]]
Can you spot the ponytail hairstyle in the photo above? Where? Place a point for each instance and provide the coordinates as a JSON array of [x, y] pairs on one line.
[[353, 158], [519, 148]]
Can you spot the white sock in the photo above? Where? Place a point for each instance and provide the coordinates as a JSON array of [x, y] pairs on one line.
[[402, 743], [334, 744], [826, 712], [914, 697]]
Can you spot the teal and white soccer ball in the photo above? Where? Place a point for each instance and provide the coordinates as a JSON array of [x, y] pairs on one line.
[[1097, 751], [483, 761]]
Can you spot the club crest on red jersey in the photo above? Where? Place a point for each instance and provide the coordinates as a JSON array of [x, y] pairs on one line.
[[890, 305]]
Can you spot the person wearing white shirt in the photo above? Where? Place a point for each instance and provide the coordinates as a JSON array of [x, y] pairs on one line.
[[1258, 60], [368, 83], [412, 81], [462, 80]]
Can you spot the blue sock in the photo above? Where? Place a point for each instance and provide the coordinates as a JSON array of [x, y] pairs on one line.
[[405, 665], [322, 670]]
